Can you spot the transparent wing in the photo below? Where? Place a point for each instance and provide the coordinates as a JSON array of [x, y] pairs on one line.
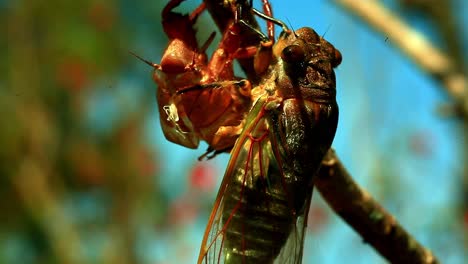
[[292, 251], [253, 219]]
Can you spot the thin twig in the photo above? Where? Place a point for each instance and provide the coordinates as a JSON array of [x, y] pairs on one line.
[[414, 45], [367, 217], [42, 204], [32, 165], [376, 226]]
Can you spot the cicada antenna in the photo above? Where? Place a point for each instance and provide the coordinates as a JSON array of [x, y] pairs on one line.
[[292, 28], [211, 153], [152, 64], [326, 30]]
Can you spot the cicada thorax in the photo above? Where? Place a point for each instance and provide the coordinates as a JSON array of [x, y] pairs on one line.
[[306, 82], [305, 122]]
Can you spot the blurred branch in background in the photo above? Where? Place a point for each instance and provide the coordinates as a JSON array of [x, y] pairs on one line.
[[32, 186], [440, 13], [366, 216], [31, 151], [53, 158], [437, 64], [448, 68]]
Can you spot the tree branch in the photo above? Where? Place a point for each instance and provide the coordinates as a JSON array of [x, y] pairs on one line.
[[415, 46], [376, 226]]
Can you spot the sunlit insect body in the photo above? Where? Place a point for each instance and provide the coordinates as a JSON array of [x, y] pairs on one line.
[[201, 99], [181, 65], [261, 209]]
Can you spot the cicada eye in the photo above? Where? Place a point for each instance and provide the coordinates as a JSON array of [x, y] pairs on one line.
[[293, 54], [336, 58]]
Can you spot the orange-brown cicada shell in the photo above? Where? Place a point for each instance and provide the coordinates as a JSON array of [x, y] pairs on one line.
[[201, 98]]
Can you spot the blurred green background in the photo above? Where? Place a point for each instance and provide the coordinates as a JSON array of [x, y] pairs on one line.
[[86, 175]]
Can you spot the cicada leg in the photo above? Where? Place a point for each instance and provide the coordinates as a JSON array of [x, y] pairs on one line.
[[168, 15], [217, 110], [262, 53], [211, 153]]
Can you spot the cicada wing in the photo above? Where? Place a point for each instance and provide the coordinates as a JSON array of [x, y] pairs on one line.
[[252, 220], [292, 251], [247, 161]]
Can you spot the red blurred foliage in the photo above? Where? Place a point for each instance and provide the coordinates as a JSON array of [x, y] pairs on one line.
[[139, 156], [465, 220], [146, 162], [88, 163], [422, 144], [125, 135], [72, 74], [202, 177], [182, 211], [317, 219], [101, 16]]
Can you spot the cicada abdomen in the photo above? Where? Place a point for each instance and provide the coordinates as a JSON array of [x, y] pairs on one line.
[[261, 208]]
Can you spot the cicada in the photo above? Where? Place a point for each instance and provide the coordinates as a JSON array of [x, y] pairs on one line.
[[260, 212], [200, 98]]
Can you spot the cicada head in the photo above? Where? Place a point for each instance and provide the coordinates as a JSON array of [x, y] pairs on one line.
[[307, 62]]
